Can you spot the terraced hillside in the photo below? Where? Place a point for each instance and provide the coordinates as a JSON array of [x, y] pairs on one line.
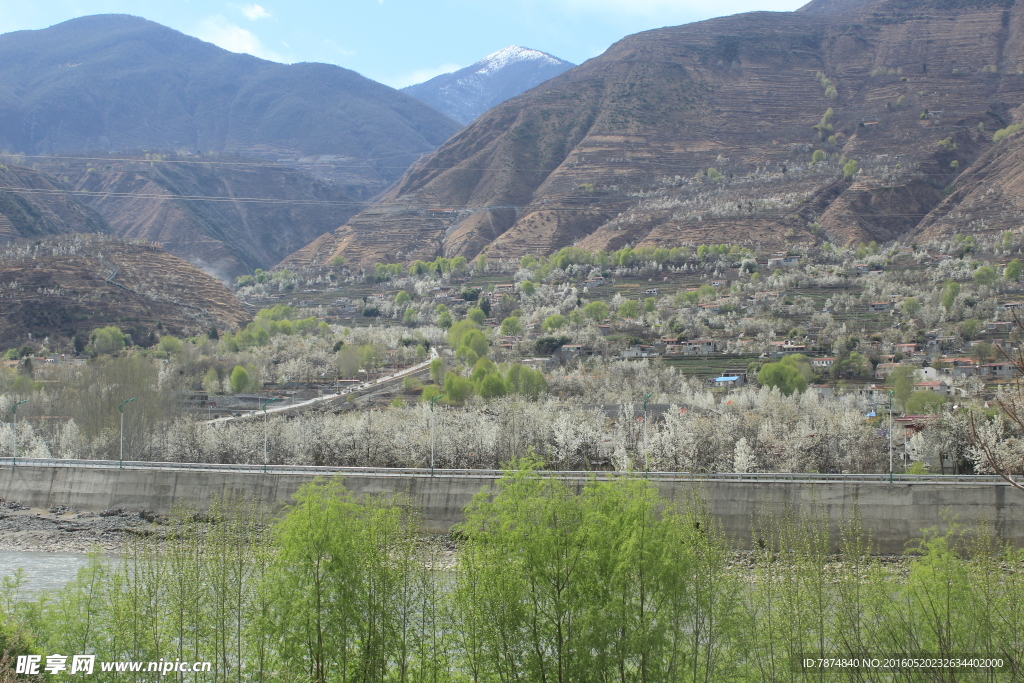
[[988, 197], [706, 133], [228, 217], [69, 285], [34, 204]]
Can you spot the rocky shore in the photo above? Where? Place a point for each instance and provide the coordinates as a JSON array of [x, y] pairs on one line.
[[60, 530], [69, 531]]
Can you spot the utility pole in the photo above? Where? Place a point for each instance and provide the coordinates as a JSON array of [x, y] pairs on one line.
[[120, 409], [647, 461], [15, 411], [890, 437], [264, 409], [432, 402]]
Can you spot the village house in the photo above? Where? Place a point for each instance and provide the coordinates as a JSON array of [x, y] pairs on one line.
[[574, 350], [823, 363], [638, 351], [963, 367], [999, 326], [874, 394], [699, 347], [879, 306], [1002, 370], [937, 386], [730, 381], [783, 262]]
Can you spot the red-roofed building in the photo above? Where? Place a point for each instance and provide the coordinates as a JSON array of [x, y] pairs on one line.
[[940, 387]]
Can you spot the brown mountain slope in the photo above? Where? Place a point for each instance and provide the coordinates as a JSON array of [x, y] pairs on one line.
[[988, 196], [33, 204], [73, 284], [606, 154], [226, 217]]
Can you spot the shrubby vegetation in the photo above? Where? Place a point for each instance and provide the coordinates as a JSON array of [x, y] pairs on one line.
[[270, 322], [820, 303], [1004, 133], [755, 430], [610, 583], [72, 408]]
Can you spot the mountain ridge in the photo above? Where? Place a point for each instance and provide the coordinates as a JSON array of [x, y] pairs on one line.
[[225, 216], [711, 132], [468, 92], [120, 83]]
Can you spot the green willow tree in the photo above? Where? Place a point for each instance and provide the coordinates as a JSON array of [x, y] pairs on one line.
[[343, 587], [609, 584]]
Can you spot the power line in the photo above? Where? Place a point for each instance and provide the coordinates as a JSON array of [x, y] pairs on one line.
[[209, 198], [375, 167], [389, 210]]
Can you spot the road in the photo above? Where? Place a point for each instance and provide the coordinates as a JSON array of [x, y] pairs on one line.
[[769, 477], [411, 370]]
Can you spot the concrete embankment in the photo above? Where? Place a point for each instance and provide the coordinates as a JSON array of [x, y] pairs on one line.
[[892, 514]]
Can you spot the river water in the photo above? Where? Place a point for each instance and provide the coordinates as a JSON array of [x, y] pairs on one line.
[[43, 571]]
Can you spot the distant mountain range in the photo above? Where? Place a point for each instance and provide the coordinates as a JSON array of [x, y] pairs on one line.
[[467, 93], [119, 83], [741, 129]]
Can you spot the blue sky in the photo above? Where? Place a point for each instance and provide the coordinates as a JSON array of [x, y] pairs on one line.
[[397, 42]]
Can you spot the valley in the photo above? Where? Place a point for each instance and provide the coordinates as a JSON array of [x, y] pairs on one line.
[[701, 359]]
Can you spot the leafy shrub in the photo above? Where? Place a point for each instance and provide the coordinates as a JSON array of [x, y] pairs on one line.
[[1003, 133]]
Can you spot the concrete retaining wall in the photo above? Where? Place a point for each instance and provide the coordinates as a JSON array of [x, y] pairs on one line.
[[891, 513]]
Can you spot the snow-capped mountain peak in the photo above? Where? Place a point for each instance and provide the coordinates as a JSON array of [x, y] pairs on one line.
[[469, 92], [512, 55]]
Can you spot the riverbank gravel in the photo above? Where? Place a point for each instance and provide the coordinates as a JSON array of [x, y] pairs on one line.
[[67, 531]]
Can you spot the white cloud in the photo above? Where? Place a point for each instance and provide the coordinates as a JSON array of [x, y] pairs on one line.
[[254, 12], [337, 49], [420, 75], [222, 33]]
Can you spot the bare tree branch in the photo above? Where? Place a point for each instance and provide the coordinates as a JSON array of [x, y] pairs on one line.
[[1012, 409]]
